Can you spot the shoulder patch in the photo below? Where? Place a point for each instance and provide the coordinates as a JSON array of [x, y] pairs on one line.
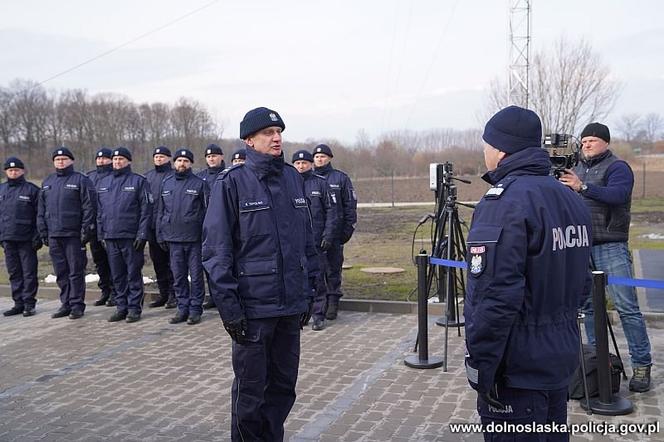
[[497, 191]]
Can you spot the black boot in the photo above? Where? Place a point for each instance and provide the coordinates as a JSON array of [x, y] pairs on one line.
[[159, 302], [172, 301], [102, 299], [640, 381], [332, 309], [16, 310], [209, 303]]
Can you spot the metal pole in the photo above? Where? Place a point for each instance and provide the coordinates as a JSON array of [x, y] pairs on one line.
[[422, 360]]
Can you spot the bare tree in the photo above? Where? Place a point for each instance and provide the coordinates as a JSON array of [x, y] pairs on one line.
[[629, 127], [570, 87], [653, 124]]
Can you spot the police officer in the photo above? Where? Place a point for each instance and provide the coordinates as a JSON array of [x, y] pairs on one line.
[[239, 157], [528, 255], [65, 221], [161, 157], [125, 209], [325, 220], [344, 196], [18, 233], [99, 256], [258, 251], [214, 157], [182, 204], [605, 183]]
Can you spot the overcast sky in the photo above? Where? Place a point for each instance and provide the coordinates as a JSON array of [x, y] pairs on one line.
[[330, 68]]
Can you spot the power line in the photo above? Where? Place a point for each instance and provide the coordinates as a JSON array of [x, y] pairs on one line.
[[127, 43]]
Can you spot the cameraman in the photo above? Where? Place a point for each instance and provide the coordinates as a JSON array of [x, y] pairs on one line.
[[605, 183], [528, 245]]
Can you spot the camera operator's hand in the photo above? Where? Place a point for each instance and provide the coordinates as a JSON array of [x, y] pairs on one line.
[[571, 180]]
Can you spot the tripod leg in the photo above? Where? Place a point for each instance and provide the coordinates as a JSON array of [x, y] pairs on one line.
[[615, 344], [583, 365]]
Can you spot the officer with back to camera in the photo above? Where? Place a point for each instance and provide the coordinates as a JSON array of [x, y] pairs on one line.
[[161, 157], [103, 160], [181, 210], [18, 233], [605, 183], [65, 221], [123, 221], [528, 274], [346, 200], [324, 219], [258, 250], [214, 157]]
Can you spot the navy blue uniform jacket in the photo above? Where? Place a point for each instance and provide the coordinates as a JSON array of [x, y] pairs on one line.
[[155, 179], [345, 198], [66, 205], [18, 210], [125, 206], [324, 211], [181, 208], [257, 240], [528, 274]]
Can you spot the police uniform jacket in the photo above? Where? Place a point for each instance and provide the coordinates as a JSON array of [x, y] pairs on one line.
[[323, 209], [344, 196], [66, 205], [210, 174], [155, 179], [18, 210], [181, 208], [125, 206], [99, 173], [257, 240], [528, 273]]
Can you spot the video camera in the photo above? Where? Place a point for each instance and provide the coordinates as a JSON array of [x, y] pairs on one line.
[[563, 152]]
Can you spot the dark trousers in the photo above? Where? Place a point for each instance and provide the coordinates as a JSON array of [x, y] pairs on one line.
[[185, 258], [126, 269], [526, 407], [162, 268], [69, 261], [320, 296], [100, 258], [265, 376], [334, 262], [21, 261]]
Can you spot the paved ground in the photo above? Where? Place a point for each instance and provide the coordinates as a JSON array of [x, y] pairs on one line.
[[151, 381]]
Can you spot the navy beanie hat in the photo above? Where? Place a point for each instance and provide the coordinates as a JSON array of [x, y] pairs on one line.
[[240, 154], [213, 149], [182, 152], [122, 152], [62, 151], [13, 162], [513, 129], [163, 150], [323, 148], [597, 130], [258, 119], [302, 155], [104, 152]]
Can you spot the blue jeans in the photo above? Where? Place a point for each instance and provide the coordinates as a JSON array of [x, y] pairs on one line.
[[614, 259]]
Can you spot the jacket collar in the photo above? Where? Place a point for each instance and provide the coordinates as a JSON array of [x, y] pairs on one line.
[[324, 170], [264, 164], [163, 167], [124, 171], [183, 175], [589, 162], [66, 171], [105, 168], [16, 181], [530, 161]]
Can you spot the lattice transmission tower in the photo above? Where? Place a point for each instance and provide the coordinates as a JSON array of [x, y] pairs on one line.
[[519, 35]]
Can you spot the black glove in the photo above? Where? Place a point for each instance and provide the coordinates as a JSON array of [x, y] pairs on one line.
[[139, 244], [237, 329], [491, 398], [306, 316], [163, 246], [44, 240], [36, 244], [325, 245]]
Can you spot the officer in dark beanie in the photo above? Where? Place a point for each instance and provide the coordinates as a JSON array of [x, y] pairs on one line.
[[123, 224], [528, 274], [346, 200], [18, 234], [239, 156], [65, 221], [181, 210], [103, 160], [161, 157], [214, 157], [258, 250], [605, 182], [324, 221]]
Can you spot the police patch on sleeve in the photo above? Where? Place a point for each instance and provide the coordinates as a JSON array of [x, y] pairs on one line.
[[477, 261]]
